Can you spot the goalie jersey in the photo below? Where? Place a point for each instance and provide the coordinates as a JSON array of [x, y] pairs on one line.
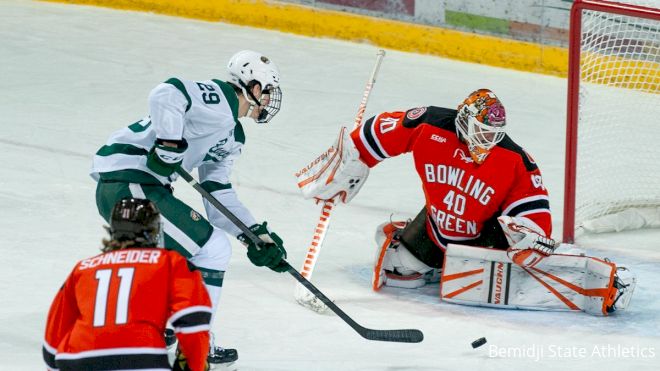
[[462, 197], [112, 310]]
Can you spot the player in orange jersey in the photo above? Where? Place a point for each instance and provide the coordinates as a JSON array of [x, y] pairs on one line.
[[471, 173], [112, 310], [481, 189]]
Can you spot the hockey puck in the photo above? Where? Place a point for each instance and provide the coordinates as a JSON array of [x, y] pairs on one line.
[[479, 342]]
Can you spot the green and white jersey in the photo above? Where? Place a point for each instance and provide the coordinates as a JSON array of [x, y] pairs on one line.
[[205, 114]]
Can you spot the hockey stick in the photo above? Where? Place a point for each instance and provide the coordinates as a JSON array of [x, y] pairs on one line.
[[399, 336], [301, 295]]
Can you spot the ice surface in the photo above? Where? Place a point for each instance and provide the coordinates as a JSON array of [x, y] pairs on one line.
[[71, 75]]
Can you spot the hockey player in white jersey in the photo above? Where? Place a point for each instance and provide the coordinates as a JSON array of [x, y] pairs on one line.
[[194, 124]]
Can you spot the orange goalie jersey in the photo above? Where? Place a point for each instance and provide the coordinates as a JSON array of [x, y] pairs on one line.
[[461, 196], [111, 312]]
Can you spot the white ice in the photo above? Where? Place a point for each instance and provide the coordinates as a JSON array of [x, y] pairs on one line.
[[71, 75]]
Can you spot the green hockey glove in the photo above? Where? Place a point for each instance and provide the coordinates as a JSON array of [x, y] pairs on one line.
[[271, 254], [163, 160]]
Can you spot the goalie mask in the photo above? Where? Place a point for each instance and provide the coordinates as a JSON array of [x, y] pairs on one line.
[[480, 123], [135, 219], [246, 69]]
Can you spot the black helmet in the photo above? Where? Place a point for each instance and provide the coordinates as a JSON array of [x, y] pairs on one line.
[[135, 219]]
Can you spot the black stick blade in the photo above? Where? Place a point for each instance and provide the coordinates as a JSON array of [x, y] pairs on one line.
[[397, 336]]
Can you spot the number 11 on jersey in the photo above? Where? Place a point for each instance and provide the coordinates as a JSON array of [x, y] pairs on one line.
[[103, 277]]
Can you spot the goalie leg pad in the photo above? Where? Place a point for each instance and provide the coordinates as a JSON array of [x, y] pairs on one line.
[[394, 265], [384, 237], [485, 277]]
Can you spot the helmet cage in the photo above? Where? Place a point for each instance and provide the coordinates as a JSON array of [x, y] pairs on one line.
[[273, 106], [481, 123], [248, 68], [274, 101], [476, 132]]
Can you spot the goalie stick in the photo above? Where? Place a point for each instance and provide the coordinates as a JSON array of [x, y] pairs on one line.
[[398, 336], [303, 296]]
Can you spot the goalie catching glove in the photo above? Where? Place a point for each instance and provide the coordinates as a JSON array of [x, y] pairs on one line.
[[270, 254], [527, 246], [338, 172]]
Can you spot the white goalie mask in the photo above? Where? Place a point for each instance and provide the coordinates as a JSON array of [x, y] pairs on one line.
[[481, 123], [247, 68]]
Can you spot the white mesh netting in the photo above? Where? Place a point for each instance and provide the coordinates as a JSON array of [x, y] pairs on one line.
[[618, 153]]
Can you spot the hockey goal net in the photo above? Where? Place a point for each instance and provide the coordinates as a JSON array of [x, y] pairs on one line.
[[613, 120]]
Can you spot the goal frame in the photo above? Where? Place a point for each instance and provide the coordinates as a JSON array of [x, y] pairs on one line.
[[574, 52]]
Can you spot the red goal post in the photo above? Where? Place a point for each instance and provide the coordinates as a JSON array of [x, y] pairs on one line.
[[614, 73]]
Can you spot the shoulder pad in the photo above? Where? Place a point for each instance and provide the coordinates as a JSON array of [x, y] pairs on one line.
[[509, 144], [436, 116], [230, 95], [181, 87]]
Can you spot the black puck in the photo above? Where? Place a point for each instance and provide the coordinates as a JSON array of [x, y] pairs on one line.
[[479, 342]]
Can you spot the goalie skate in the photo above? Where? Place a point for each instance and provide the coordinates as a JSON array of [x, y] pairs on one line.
[[624, 282]]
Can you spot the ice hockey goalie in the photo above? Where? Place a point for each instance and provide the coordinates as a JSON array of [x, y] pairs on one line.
[[482, 190]]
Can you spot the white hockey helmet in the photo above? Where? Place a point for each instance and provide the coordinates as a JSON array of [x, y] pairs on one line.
[[246, 68], [481, 123]]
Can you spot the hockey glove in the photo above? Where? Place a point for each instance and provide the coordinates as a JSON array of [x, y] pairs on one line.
[[338, 173], [181, 363], [163, 160], [527, 246], [270, 254]]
